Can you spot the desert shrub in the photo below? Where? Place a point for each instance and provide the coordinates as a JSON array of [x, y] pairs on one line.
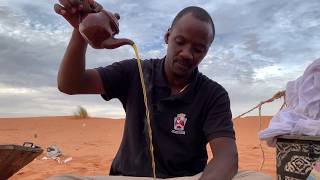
[[81, 113]]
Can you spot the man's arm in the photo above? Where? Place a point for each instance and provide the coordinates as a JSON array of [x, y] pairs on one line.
[[73, 78], [224, 164]]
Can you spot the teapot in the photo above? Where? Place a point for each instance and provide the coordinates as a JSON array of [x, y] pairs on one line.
[[99, 29]]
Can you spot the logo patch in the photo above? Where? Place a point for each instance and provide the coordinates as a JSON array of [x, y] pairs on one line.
[[179, 123]]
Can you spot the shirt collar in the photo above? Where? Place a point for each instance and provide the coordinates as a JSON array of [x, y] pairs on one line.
[[160, 80], [185, 96]]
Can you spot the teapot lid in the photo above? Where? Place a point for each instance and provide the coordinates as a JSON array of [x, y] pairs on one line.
[[114, 19]]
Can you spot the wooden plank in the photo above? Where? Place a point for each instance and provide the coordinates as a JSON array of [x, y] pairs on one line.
[[15, 157]]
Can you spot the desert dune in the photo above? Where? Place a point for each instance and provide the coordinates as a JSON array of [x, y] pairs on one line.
[[93, 142]]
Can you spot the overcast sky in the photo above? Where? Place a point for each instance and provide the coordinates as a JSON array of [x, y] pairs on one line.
[[259, 46]]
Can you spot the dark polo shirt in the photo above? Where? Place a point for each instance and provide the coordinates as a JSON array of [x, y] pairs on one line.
[[181, 124]]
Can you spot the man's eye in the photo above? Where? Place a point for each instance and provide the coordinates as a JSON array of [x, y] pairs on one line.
[[198, 50], [179, 41]]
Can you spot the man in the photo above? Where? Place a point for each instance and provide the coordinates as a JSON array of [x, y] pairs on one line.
[[188, 110]]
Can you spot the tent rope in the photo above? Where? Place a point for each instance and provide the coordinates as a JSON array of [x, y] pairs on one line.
[[278, 95]]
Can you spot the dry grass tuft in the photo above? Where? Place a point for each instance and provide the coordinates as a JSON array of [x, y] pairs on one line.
[[81, 113]]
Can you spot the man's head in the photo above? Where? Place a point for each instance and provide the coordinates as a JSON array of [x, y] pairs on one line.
[[189, 38], [198, 13]]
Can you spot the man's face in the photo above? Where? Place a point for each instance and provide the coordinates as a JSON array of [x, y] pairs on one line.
[[188, 43]]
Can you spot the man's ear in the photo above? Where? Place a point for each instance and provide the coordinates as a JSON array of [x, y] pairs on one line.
[[166, 36]]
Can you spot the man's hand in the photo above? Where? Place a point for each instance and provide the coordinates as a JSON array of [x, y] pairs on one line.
[[73, 10]]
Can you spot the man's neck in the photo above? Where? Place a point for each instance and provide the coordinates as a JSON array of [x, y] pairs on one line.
[[175, 91], [177, 84]]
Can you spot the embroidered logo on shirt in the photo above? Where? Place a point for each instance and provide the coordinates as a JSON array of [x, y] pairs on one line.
[[179, 123]]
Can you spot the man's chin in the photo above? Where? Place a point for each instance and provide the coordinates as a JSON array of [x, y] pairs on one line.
[[181, 74]]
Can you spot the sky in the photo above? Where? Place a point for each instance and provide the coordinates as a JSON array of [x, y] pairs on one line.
[[259, 46]]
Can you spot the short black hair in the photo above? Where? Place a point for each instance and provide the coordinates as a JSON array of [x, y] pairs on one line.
[[198, 13]]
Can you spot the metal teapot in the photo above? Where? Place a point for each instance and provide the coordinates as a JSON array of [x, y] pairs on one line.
[[99, 29]]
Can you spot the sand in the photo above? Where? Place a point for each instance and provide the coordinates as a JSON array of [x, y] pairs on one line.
[[93, 142]]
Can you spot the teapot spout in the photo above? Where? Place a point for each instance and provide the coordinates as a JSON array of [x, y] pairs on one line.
[[113, 43]]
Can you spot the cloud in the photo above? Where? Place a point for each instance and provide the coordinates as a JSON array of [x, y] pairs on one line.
[[259, 46]]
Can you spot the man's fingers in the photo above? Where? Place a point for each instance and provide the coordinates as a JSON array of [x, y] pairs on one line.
[[70, 5], [78, 4], [65, 3], [91, 2], [75, 2], [86, 6], [96, 7], [59, 9]]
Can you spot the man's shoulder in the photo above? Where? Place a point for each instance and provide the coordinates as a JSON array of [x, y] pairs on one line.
[[151, 62], [144, 62], [131, 64], [151, 66], [209, 84]]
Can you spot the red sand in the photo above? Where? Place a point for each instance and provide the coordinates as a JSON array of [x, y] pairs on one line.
[[93, 142]]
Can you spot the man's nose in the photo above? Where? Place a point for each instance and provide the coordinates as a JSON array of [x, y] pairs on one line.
[[186, 53]]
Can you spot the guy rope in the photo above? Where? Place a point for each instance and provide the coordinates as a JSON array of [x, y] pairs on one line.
[[278, 95]]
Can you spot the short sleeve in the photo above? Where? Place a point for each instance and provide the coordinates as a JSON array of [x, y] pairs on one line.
[[218, 122], [116, 78]]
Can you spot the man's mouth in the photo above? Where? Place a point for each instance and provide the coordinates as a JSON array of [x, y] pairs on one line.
[[182, 66]]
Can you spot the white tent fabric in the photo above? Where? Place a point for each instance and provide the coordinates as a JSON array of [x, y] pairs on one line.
[[302, 114]]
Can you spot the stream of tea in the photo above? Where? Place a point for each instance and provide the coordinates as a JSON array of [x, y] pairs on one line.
[[95, 33], [147, 109]]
